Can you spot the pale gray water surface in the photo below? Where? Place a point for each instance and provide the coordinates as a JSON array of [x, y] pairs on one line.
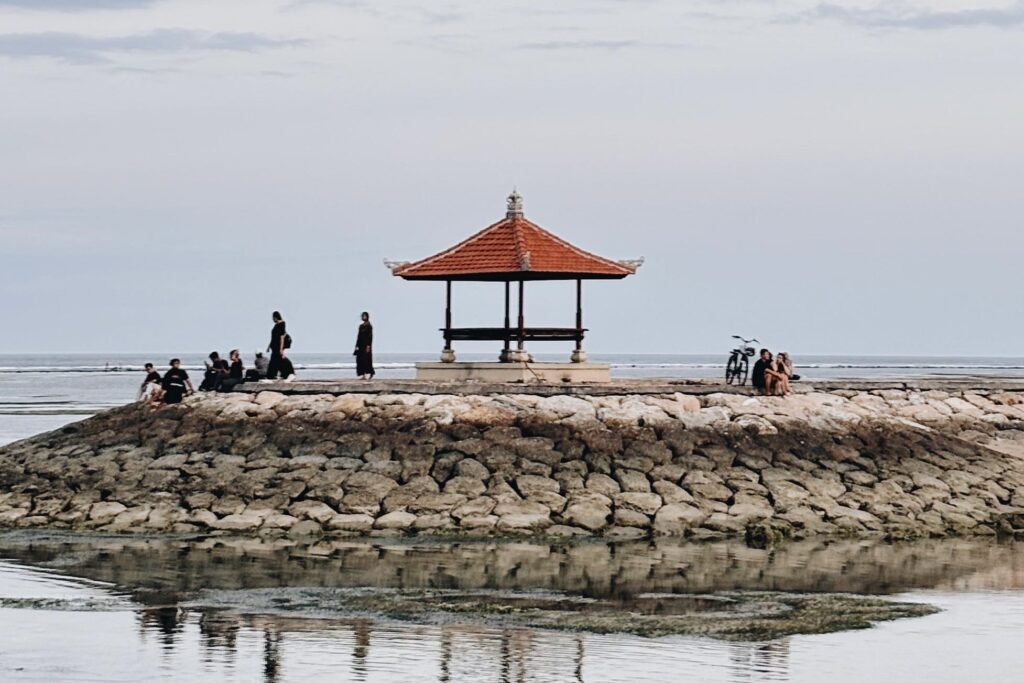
[[126, 609]]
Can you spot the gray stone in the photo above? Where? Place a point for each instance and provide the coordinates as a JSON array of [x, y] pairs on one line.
[[670, 493], [169, 462], [647, 503], [478, 522], [305, 529], [631, 480], [587, 515], [530, 484], [678, 518], [104, 512], [603, 484], [395, 520], [631, 518], [466, 486], [476, 507], [240, 522], [472, 468], [350, 522], [523, 522]]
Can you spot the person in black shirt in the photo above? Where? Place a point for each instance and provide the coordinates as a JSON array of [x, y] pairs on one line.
[[236, 373], [757, 378], [150, 388], [279, 341], [364, 348], [176, 383], [216, 371]]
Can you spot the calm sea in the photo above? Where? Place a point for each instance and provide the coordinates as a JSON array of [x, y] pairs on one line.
[[43, 392]]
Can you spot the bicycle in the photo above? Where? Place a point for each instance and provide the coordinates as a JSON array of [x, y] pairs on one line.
[[738, 367]]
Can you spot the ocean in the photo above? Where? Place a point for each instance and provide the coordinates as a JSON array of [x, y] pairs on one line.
[[40, 392]]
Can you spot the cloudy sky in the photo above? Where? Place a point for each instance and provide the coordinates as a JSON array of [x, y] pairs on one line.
[[830, 177]]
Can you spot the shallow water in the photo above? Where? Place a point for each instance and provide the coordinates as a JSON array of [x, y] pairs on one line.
[[117, 609]]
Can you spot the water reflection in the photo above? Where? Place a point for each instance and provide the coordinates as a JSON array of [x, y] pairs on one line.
[[163, 578]]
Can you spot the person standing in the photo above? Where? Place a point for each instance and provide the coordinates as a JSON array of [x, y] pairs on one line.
[[277, 347], [176, 383], [364, 348]]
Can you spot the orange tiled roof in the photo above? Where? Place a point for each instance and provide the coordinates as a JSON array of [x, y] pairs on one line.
[[513, 249]]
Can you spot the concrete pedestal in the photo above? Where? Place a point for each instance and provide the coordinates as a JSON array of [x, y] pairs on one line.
[[514, 372]]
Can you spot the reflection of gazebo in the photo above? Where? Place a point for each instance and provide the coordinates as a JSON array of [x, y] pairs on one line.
[[513, 250]]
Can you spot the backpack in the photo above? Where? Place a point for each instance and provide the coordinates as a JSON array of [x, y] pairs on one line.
[[287, 341]]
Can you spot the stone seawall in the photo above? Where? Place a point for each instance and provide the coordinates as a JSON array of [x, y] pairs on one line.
[[899, 462]]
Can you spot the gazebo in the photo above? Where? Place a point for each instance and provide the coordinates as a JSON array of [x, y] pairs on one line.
[[514, 250]]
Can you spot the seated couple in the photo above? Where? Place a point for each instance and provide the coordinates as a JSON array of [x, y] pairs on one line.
[[171, 388], [771, 376], [222, 375]]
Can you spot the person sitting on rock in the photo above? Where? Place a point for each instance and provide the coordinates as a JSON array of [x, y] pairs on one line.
[[236, 373], [259, 369], [757, 378], [787, 365], [150, 390], [176, 383], [776, 381], [216, 370]]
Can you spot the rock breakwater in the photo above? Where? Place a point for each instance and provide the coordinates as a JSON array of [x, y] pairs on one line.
[[899, 462]]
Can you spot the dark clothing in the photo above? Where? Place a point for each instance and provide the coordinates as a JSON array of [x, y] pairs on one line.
[[276, 342], [364, 350], [152, 376], [275, 368], [757, 376], [236, 375], [253, 375], [276, 336], [214, 375], [174, 385]]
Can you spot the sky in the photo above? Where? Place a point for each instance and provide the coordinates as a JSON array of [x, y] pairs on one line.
[[830, 177]]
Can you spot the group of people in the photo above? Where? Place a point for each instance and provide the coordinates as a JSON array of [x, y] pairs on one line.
[[224, 375], [771, 375]]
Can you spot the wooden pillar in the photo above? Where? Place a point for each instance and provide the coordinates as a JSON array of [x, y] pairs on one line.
[[508, 322], [448, 315], [579, 315], [522, 333]]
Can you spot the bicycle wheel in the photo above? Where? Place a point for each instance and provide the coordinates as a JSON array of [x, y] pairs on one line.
[[732, 369], [742, 371]]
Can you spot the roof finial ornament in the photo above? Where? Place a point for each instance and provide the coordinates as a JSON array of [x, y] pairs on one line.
[[515, 205]]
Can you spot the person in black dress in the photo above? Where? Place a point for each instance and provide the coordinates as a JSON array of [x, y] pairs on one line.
[[364, 349], [276, 347], [176, 383]]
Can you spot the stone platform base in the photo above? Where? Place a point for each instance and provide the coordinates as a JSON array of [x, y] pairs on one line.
[[514, 372]]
